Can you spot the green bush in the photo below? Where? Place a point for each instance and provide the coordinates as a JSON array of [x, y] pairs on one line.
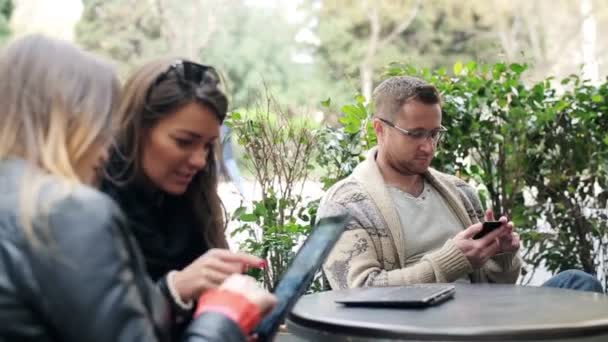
[[280, 153], [343, 148]]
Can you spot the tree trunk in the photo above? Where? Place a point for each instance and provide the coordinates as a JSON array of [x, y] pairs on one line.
[[376, 42], [589, 42], [366, 68], [367, 81]]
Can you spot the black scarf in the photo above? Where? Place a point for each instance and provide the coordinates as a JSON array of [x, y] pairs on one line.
[[163, 225]]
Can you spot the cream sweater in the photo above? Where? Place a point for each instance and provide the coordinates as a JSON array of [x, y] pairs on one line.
[[371, 250]]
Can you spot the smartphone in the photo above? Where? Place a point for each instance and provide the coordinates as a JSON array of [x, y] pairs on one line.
[[486, 228]]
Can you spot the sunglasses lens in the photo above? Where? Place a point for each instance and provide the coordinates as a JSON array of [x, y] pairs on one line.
[[192, 72], [198, 73], [188, 72], [210, 76]]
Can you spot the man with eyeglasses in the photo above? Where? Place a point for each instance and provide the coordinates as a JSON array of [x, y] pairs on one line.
[[411, 223]]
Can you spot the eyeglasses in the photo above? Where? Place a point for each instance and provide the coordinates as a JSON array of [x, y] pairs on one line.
[[187, 73], [419, 134]]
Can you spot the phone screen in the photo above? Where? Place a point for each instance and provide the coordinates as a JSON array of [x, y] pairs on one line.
[[486, 228]]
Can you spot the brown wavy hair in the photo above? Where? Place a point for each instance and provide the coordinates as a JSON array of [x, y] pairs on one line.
[[138, 113]]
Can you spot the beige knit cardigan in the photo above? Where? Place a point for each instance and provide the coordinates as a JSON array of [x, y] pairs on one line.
[[371, 250]]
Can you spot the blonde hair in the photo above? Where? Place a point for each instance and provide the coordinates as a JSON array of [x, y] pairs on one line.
[[56, 103]]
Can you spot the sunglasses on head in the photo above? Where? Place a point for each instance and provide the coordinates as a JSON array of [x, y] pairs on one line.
[[187, 73]]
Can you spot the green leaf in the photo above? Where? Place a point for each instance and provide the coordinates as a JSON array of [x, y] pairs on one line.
[[235, 116], [498, 69], [394, 71], [472, 66], [260, 209], [561, 105], [518, 68], [248, 217], [350, 111], [326, 103], [238, 212], [597, 98], [458, 68]]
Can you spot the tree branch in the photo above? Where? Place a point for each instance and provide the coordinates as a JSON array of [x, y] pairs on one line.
[[401, 27]]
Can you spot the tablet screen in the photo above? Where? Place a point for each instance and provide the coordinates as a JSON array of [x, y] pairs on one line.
[[300, 273]]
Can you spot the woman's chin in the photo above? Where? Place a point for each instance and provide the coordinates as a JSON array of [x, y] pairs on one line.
[[175, 189]]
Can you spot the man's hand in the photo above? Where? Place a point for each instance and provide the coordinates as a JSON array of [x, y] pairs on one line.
[[501, 240], [480, 250], [509, 242]]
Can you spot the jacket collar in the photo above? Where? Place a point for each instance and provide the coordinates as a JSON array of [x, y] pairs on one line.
[[450, 193]]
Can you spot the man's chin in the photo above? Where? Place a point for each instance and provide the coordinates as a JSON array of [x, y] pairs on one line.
[[422, 166], [421, 170], [410, 170]]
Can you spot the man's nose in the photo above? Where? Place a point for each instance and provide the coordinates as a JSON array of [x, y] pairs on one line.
[[427, 145]]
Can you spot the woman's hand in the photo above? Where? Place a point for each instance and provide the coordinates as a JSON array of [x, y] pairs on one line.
[[210, 270], [247, 287]]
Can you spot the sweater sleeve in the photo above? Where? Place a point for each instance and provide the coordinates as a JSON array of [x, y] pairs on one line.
[[502, 268], [366, 253]]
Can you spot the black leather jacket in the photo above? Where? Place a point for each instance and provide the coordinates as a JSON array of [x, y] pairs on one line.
[[81, 276]]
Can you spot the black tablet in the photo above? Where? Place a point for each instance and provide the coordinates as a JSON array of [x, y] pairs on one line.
[[301, 272]]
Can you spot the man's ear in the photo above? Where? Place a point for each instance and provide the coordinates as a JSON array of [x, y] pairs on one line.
[[378, 128]]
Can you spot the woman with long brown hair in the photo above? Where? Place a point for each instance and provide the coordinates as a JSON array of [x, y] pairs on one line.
[[69, 267], [163, 174]]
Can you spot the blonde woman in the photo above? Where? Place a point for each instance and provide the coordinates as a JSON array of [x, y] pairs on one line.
[[69, 268]]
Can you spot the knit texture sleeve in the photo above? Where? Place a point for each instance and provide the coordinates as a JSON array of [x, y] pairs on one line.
[[365, 255], [502, 268]]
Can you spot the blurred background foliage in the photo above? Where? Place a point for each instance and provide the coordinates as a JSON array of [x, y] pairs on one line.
[[524, 86]]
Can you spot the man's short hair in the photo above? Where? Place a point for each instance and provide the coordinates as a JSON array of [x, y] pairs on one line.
[[394, 92]]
